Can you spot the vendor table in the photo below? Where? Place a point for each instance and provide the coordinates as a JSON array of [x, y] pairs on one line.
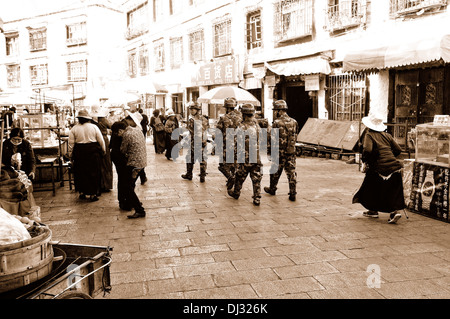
[[48, 162]]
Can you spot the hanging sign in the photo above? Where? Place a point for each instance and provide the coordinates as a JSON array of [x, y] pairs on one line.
[[312, 82]]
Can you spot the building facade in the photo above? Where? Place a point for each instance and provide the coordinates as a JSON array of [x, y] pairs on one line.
[[327, 58], [67, 57]]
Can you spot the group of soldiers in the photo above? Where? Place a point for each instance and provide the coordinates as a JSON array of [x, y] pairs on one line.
[[249, 163]]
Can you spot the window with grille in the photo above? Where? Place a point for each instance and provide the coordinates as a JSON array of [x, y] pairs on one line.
[[13, 72], [76, 34], [132, 63], [347, 97], [411, 6], [343, 14], [137, 20], [196, 46], [39, 74], [159, 55], [293, 19], [77, 71], [176, 52], [12, 45], [143, 60], [38, 40], [222, 38], [254, 34]]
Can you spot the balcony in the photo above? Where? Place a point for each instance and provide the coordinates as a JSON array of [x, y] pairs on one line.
[[345, 15], [135, 31], [405, 7]]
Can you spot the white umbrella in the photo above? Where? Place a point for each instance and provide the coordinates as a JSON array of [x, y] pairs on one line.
[[219, 94]]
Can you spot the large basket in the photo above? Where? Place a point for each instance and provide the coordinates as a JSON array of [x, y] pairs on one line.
[[25, 262]]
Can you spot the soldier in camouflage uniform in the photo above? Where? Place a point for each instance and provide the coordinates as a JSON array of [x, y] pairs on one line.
[[196, 150], [288, 129], [230, 120], [246, 164]]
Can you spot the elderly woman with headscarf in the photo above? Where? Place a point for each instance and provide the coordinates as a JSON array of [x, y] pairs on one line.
[[159, 133], [99, 118], [18, 153], [87, 147]]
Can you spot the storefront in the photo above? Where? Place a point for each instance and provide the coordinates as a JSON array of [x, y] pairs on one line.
[[300, 82]]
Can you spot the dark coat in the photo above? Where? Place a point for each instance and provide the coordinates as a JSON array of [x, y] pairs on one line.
[[26, 151]]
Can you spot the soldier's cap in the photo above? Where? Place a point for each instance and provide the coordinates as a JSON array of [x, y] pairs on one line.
[[280, 105], [230, 102], [248, 109], [194, 106]]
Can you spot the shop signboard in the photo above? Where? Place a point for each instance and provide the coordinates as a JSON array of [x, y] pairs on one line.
[[312, 82], [218, 72], [430, 190]]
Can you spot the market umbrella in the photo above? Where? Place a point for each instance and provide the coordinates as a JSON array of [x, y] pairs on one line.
[[217, 96]]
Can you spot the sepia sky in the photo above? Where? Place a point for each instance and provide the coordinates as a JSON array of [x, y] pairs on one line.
[[16, 9]]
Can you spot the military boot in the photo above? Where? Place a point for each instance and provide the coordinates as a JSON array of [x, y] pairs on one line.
[[292, 192], [188, 175], [270, 190], [202, 174]]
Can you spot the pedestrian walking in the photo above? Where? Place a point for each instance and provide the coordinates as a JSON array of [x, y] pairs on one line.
[[228, 122], [144, 123], [172, 123], [120, 162], [133, 146], [197, 126], [382, 188], [86, 148], [287, 157], [159, 134], [248, 157], [99, 117]]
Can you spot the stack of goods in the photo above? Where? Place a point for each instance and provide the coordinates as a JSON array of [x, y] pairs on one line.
[[15, 192], [12, 230]]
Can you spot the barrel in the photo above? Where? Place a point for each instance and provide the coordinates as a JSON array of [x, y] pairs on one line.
[[27, 261]]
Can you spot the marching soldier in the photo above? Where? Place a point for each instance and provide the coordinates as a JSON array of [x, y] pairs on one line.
[[249, 155], [197, 125], [288, 129], [230, 120]]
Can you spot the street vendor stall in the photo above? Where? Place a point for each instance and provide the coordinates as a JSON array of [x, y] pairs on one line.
[[431, 171]]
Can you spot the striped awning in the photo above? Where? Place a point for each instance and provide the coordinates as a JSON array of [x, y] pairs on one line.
[[304, 66], [399, 54]]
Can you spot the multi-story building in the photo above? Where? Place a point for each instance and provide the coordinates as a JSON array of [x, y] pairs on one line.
[[329, 59], [69, 56]]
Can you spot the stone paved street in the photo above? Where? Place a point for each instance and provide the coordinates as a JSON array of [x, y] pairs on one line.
[[197, 242]]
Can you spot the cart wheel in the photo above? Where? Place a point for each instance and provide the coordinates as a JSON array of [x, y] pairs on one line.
[[74, 295]]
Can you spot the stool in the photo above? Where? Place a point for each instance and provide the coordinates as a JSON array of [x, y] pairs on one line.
[[68, 168], [48, 162]]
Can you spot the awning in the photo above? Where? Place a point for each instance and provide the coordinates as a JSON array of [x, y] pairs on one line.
[[398, 55], [314, 65]]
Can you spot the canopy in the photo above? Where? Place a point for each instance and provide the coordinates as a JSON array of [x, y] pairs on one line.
[[399, 54], [219, 94], [313, 65]]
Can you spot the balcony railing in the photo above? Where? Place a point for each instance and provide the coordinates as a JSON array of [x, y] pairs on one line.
[[135, 31], [346, 14], [293, 19], [402, 7]]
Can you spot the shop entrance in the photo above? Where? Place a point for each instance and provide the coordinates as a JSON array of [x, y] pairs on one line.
[[299, 103]]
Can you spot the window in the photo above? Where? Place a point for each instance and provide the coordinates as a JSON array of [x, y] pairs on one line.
[[412, 6], [176, 52], [159, 55], [39, 74], [254, 34], [137, 20], [343, 14], [13, 72], [293, 19], [76, 34], [38, 39], [143, 60], [157, 10], [178, 6], [12, 45], [77, 71], [347, 97], [222, 38], [132, 63], [196, 46]]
